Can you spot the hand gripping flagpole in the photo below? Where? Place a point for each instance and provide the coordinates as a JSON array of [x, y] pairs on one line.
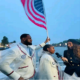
[[45, 21]]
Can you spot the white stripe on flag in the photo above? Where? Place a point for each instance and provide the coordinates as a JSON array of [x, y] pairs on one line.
[[33, 12], [31, 16]]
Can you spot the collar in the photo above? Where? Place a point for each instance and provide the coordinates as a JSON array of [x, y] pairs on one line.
[[46, 52], [23, 45]]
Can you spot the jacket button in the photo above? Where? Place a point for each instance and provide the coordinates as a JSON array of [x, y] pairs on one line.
[[72, 64], [70, 57], [78, 65], [71, 61]]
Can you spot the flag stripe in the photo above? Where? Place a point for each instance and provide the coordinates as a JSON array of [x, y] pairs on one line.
[[38, 22], [23, 2], [32, 14], [32, 19], [35, 14], [35, 11]]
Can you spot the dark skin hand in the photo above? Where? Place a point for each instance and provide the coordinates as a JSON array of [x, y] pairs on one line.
[[47, 40], [21, 78]]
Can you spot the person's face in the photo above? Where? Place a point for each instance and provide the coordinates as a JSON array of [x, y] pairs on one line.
[[51, 49], [70, 45], [28, 40]]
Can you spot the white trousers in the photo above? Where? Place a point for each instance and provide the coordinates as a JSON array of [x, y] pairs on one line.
[[68, 77]]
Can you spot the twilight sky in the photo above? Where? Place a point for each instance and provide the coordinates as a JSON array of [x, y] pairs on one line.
[[63, 21]]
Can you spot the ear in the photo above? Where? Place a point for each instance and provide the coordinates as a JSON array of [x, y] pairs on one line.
[[23, 39], [48, 49]]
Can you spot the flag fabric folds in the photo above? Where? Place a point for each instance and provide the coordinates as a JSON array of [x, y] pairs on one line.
[[35, 12]]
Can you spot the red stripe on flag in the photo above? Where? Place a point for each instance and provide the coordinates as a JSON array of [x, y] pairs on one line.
[[36, 23], [35, 11], [32, 14], [40, 25], [23, 2]]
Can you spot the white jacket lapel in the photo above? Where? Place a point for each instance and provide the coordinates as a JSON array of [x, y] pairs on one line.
[[23, 50]]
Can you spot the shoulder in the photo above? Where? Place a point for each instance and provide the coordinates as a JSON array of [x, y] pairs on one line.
[[65, 51], [14, 48], [46, 57], [9, 52]]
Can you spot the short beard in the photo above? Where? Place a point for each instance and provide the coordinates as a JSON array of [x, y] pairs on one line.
[[27, 43]]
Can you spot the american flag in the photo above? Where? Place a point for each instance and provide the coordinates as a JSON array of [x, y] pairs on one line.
[[35, 12]]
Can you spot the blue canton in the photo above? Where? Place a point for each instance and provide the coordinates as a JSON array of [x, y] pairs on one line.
[[39, 6]]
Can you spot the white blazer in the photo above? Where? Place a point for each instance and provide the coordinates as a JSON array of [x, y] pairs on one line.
[[48, 68], [17, 62]]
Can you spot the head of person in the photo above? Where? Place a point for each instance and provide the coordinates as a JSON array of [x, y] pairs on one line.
[[71, 43], [74, 47], [49, 48], [26, 39]]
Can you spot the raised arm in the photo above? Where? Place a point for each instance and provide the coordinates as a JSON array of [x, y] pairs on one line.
[[41, 45]]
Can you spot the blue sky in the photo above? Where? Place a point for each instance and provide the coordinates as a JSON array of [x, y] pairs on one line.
[[63, 21]]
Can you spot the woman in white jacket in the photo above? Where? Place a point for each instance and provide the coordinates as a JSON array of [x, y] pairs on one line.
[[48, 67]]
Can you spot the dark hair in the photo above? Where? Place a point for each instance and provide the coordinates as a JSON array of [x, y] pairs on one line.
[[46, 46], [74, 41], [23, 36]]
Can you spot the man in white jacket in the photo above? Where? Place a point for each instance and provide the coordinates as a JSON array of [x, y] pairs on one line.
[[17, 62]]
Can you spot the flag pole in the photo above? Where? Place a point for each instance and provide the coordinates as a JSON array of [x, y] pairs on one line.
[[45, 21], [47, 34]]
